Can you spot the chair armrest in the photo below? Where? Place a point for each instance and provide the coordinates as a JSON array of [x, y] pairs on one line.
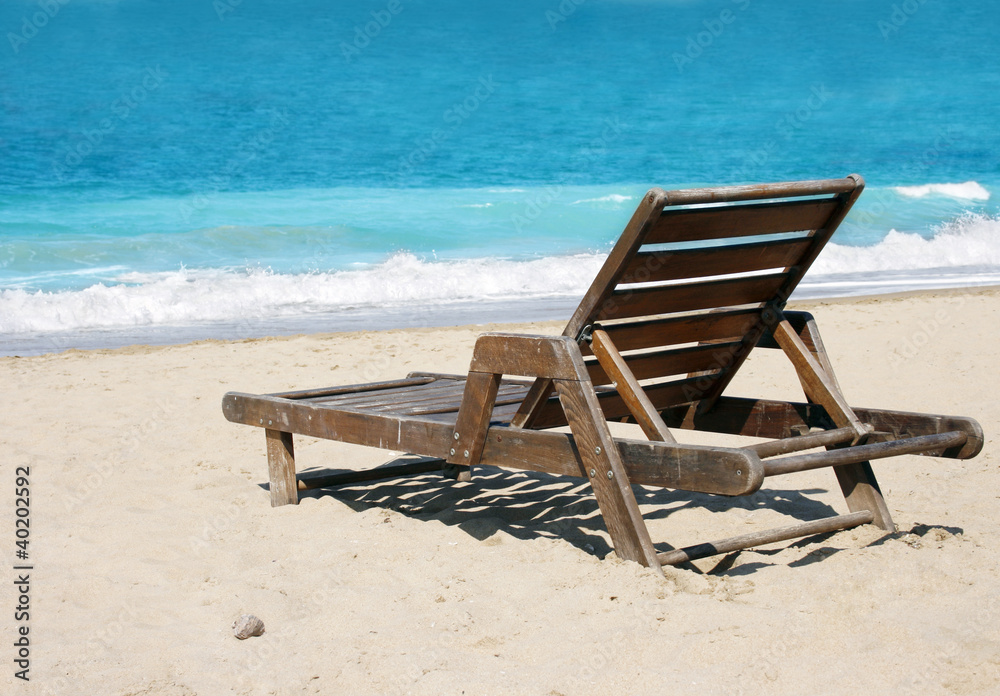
[[548, 357]]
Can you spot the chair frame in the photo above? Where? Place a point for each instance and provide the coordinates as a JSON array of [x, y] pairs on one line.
[[504, 422]]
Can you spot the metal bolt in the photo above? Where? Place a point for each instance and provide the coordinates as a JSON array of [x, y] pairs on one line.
[[593, 473], [611, 474], [452, 451], [597, 450], [456, 436], [269, 422], [261, 420], [466, 453]]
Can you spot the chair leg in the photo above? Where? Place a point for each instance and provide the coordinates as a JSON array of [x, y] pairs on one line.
[[602, 465], [862, 493], [281, 468]]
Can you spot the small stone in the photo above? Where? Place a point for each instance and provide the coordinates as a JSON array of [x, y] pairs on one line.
[[246, 626]]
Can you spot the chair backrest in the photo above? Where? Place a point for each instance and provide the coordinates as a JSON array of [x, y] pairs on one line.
[[685, 292]]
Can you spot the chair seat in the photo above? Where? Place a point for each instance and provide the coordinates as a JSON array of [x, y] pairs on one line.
[[429, 396]]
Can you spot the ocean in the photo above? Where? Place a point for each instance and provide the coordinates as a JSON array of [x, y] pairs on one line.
[[236, 168]]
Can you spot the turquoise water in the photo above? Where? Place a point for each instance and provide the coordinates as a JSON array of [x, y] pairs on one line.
[[179, 169]]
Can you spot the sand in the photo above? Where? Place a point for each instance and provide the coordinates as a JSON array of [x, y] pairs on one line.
[[151, 533]]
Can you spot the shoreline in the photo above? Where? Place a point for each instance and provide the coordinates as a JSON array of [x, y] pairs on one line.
[[461, 315]]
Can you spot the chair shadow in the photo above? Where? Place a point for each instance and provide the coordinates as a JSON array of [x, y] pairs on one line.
[[530, 505]]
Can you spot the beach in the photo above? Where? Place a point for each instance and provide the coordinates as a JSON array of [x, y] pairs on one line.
[[152, 532]]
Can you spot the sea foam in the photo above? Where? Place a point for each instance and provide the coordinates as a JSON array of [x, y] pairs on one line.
[[963, 251], [970, 190]]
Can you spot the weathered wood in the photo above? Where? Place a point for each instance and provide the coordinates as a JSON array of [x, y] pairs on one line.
[[804, 442], [684, 297], [346, 478], [770, 536], [804, 326], [668, 331], [656, 266], [550, 357], [863, 453], [696, 224], [281, 468], [637, 348], [779, 419], [753, 192], [666, 363], [646, 213], [688, 467], [663, 395], [818, 386], [354, 388], [696, 468], [600, 459], [642, 409], [473, 421]]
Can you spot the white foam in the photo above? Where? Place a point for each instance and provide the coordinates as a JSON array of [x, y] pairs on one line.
[[965, 251], [196, 296], [970, 240], [610, 198], [970, 191]]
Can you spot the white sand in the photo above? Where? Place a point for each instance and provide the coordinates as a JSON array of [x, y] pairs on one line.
[[151, 533]]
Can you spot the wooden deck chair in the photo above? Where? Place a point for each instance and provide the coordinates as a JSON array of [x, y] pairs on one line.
[[697, 280]]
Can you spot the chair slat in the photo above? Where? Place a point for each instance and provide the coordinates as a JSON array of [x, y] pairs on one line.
[[694, 224], [667, 299], [668, 331], [666, 363], [664, 395], [652, 266]]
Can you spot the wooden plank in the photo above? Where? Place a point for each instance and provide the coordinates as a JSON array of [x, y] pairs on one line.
[[607, 277], [394, 395], [653, 266], [685, 297], [554, 357], [473, 420], [816, 383], [353, 388], [693, 328], [662, 396], [666, 363], [752, 192], [863, 453], [615, 369], [697, 468], [281, 468], [689, 467], [769, 536], [844, 203], [697, 224], [600, 459]]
